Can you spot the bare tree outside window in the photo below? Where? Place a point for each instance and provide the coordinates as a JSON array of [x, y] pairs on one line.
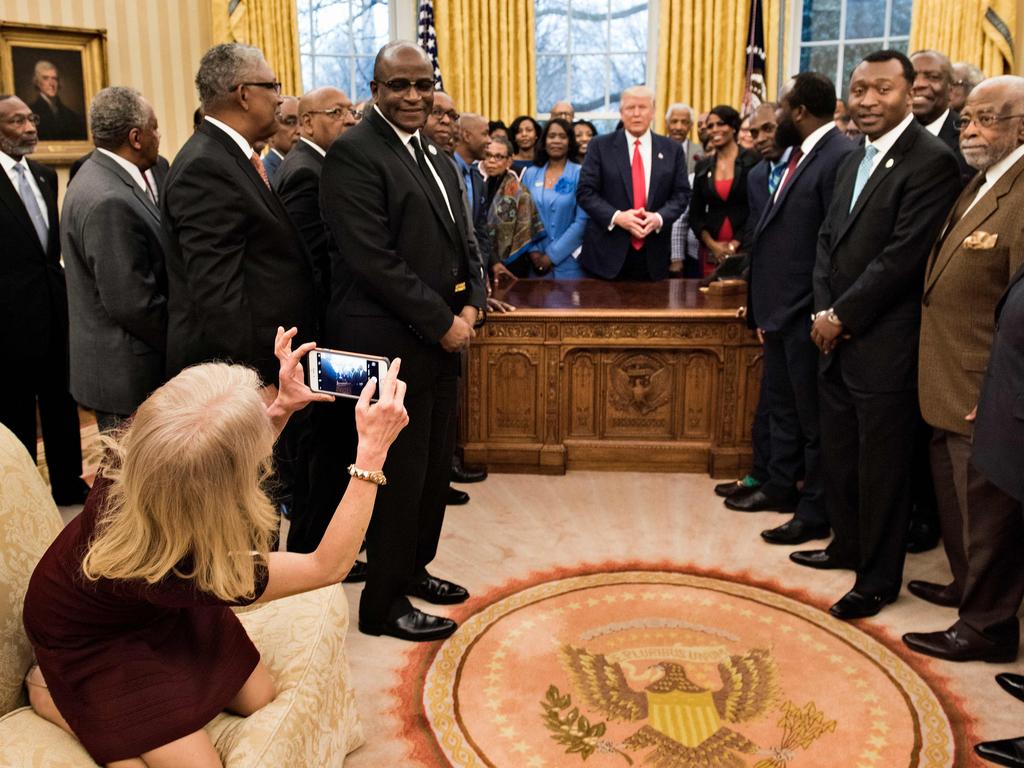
[[588, 52], [338, 40]]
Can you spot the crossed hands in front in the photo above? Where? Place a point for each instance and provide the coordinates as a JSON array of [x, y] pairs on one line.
[[639, 222], [461, 331]]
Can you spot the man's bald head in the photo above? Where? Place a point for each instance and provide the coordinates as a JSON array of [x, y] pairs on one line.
[[403, 85], [324, 114], [998, 97], [473, 136], [394, 52]]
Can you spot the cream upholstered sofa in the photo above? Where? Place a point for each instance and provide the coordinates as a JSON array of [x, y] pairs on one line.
[[312, 722]]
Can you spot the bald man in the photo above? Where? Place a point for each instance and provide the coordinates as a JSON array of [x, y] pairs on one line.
[[976, 257], [563, 110], [281, 143], [966, 77]]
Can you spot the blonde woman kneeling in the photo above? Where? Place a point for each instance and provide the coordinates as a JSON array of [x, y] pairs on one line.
[[128, 609]]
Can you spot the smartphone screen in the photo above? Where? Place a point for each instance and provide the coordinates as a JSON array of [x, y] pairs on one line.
[[344, 375]]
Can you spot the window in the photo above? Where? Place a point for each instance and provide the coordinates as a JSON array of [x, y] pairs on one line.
[[836, 34], [588, 52], [338, 40]]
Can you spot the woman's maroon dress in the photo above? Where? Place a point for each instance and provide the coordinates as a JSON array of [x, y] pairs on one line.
[[130, 666]]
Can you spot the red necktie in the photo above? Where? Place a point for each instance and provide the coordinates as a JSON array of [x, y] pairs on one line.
[[794, 160], [639, 189], [258, 165]]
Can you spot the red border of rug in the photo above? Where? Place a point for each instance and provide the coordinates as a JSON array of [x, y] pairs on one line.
[[421, 744]]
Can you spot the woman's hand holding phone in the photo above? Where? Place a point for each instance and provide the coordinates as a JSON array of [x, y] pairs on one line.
[[378, 424], [292, 394]]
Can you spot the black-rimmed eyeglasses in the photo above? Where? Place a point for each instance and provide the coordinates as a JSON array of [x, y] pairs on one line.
[[274, 86], [401, 85], [336, 113]]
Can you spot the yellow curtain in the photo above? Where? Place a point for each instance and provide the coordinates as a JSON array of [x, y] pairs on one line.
[[978, 31], [270, 25], [485, 49], [702, 52]]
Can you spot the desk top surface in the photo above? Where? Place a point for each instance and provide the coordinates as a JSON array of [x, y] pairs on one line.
[[667, 298]]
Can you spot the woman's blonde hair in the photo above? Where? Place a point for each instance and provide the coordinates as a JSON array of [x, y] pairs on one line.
[[186, 496]]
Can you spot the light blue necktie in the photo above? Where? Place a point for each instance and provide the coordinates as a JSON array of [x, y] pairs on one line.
[[28, 197], [863, 172]]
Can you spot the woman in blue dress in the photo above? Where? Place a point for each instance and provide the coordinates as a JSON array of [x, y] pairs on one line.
[[552, 182]]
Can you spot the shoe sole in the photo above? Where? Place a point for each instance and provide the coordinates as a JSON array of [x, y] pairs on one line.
[[795, 542], [440, 601], [884, 603], [1002, 657], [383, 632]]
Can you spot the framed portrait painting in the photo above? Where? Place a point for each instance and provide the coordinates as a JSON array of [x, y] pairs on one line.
[[56, 71]]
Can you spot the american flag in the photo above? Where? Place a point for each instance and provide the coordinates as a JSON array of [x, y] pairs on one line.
[[755, 91], [427, 37]]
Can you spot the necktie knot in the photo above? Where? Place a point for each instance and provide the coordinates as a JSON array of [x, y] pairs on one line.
[[870, 151]]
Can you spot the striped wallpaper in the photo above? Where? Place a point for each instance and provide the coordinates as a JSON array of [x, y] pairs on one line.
[[152, 45]]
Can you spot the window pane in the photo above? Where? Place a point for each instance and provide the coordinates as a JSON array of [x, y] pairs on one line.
[[589, 75], [364, 74], [333, 70], [823, 59], [628, 26], [626, 70], [337, 36], [305, 17], [307, 73], [552, 81], [552, 22], [865, 18], [589, 27], [820, 20], [900, 24], [853, 55]]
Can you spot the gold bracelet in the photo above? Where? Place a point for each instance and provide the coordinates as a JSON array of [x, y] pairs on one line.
[[376, 476]]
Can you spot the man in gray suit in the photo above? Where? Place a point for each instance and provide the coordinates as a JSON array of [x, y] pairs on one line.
[[114, 249]]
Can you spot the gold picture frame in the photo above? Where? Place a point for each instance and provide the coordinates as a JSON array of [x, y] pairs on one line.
[[56, 71]]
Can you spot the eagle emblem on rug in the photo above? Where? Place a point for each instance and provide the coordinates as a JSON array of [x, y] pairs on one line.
[[684, 723]]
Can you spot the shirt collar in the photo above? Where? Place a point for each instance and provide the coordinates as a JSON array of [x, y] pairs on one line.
[[936, 125], [817, 135], [403, 136], [277, 152], [236, 137], [314, 145], [9, 162], [132, 169], [645, 138], [463, 165], [996, 170], [783, 159], [885, 142]]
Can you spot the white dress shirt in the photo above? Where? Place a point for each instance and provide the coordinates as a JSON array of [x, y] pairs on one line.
[[645, 158], [995, 173], [406, 138], [886, 141], [236, 137], [936, 125], [9, 163], [314, 145]]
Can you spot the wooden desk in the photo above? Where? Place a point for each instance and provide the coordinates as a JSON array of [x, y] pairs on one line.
[[588, 374]]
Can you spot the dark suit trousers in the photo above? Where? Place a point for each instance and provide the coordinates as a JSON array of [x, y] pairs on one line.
[[994, 585], [924, 504], [791, 374], [950, 460], [45, 380], [761, 435], [406, 526], [867, 448]]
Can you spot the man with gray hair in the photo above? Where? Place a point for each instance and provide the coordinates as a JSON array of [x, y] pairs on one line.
[[966, 77], [679, 123], [56, 121], [114, 252]]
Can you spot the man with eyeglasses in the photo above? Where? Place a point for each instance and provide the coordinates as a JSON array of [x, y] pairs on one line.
[[33, 306], [563, 110], [284, 138], [933, 81], [324, 115], [966, 77], [392, 201], [980, 250]]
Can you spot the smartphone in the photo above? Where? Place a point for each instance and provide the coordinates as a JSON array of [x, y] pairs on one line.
[[343, 374]]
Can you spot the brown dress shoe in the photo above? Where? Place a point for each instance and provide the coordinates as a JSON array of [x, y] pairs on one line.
[[937, 594]]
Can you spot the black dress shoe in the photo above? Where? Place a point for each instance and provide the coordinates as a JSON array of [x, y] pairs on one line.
[[456, 497], [922, 536], [818, 558], [1004, 752], [796, 531], [725, 490], [756, 500], [72, 495], [1012, 684], [857, 605], [414, 625], [952, 645], [936, 594], [463, 474], [356, 574], [439, 591]]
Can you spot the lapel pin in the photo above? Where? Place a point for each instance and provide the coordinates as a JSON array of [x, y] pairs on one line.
[[888, 163], [661, 156], [430, 148]]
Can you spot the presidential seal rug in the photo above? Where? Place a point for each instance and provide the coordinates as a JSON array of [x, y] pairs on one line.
[[671, 669]]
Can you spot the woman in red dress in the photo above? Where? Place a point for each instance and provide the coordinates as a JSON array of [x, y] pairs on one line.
[[128, 610], [718, 208]]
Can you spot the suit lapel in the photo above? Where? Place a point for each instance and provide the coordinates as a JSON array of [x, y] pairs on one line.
[[247, 168], [621, 155], [127, 180]]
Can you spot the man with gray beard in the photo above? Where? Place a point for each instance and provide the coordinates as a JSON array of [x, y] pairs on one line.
[[979, 250]]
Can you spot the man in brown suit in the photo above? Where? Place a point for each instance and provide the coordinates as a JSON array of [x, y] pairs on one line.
[[980, 249]]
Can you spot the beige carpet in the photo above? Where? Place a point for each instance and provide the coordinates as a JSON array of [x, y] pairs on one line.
[[524, 530]]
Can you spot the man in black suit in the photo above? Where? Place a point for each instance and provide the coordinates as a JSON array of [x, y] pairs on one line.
[[890, 199], [471, 140], [284, 138], [33, 306], [629, 234], [933, 80], [238, 267], [57, 122], [114, 251], [780, 296], [324, 115], [393, 203]]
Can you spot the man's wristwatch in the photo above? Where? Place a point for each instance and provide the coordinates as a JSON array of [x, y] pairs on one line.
[[481, 317]]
